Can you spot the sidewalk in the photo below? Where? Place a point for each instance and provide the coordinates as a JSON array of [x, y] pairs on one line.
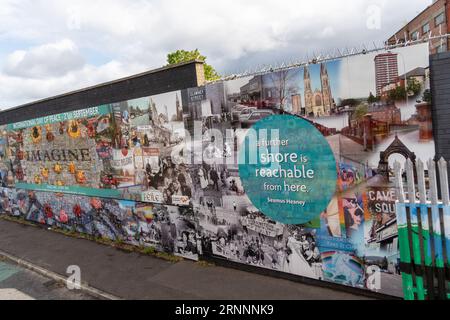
[[17, 283], [135, 276]]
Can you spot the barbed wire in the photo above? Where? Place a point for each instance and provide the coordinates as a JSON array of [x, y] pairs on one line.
[[331, 55]]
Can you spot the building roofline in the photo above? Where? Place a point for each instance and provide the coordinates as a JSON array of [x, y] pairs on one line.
[[387, 54], [104, 84], [413, 72], [419, 14]]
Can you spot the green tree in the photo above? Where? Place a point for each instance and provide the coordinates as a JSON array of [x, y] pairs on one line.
[[414, 86], [349, 102], [398, 93], [361, 111], [427, 96], [372, 98], [180, 56]]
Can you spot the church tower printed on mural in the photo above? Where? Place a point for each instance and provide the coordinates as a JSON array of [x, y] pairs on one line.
[[320, 102]]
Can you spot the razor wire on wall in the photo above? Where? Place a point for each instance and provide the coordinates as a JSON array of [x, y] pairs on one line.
[[338, 53]]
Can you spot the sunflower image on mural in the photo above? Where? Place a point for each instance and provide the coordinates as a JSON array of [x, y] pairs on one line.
[[72, 168], [57, 168], [45, 173], [37, 179], [36, 134], [74, 129], [80, 177], [68, 151]]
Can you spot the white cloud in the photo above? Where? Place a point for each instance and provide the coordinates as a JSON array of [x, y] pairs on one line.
[[328, 32], [49, 60], [18, 90], [67, 44]]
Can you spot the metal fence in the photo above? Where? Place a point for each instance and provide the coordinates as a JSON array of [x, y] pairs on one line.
[[424, 229]]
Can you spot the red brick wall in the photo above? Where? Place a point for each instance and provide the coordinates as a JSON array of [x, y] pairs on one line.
[[448, 23], [419, 21]]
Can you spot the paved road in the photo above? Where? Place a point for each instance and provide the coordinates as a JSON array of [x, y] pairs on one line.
[[17, 283], [135, 276]]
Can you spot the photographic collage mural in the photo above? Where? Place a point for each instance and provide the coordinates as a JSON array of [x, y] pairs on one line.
[[139, 171]]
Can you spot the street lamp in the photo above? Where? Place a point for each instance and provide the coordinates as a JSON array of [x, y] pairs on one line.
[[406, 77]]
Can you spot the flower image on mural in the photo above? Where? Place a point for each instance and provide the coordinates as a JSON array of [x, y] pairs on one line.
[[67, 152]]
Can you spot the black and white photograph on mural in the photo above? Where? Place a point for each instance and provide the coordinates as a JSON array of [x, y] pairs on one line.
[[202, 150], [157, 130], [187, 243]]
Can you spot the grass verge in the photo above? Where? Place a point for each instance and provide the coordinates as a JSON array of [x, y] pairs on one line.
[[119, 244]]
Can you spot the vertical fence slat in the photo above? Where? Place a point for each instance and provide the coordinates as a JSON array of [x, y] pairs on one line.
[[421, 181], [424, 229], [433, 182], [436, 248], [410, 181], [403, 234], [443, 175], [399, 182], [436, 231], [424, 234], [414, 232], [446, 212], [444, 181], [446, 217]]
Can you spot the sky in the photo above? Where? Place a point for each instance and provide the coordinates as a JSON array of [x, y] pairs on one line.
[[357, 74], [167, 99], [48, 47]]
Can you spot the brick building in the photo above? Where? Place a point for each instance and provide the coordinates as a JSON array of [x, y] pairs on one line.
[[389, 114], [386, 70], [435, 20]]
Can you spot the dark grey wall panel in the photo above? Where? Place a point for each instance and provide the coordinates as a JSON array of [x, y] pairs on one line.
[[440, 87], [146, 84]]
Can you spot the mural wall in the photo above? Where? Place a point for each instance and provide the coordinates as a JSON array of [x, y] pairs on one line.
[[163, 171]]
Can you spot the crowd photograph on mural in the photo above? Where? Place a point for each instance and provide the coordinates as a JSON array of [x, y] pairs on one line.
[[322, 179]]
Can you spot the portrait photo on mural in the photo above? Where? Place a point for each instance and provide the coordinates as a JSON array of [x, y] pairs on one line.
[[290, 171]]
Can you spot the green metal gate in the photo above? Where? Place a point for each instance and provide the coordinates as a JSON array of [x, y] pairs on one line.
[[424, 230]]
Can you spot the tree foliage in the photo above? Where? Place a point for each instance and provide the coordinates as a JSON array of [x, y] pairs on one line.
[[397, 94], [372, 98], [180, 56], [400, 93], [427, 96], [414, 86], [361, 111], [349, 102]]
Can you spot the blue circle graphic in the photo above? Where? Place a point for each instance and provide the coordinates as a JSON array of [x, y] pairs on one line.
[[288, 169]]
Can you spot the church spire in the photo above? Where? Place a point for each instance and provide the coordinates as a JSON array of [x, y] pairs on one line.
[[179, 109], [307, 78], [309, 96], [326, 89]]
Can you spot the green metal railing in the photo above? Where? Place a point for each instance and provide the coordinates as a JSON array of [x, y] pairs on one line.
[[424, 231]]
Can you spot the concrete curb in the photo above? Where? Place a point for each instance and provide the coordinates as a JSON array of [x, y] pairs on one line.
[[59, 278]]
